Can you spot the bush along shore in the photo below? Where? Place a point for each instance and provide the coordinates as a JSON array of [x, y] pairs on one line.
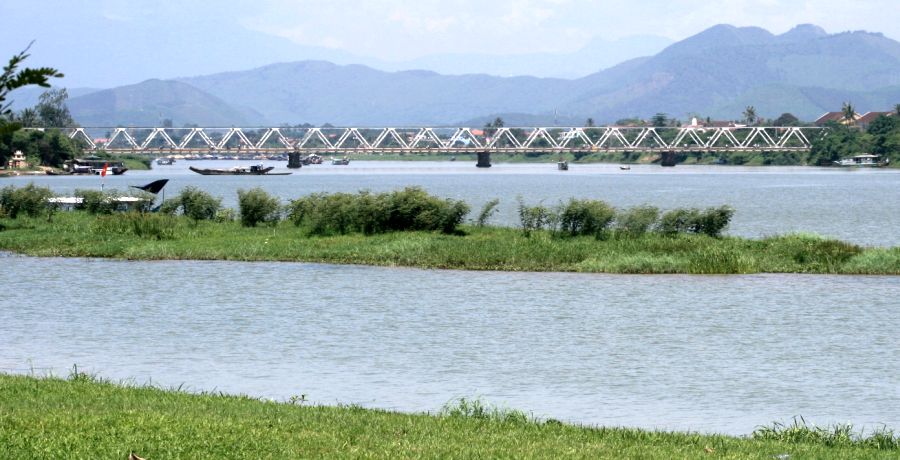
[[87, 417], [411, 228]]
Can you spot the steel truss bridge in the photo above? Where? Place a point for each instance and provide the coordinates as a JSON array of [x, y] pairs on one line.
[[349, 140]]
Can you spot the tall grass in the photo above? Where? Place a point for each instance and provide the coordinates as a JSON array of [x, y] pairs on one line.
[[87, 416], [798, 431]]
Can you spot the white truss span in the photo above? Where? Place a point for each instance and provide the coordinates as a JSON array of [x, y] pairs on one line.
[[449, 140]]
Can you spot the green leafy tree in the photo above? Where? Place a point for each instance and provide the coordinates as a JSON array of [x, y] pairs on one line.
[[750, 115], [848, 113], [659, 120], [897, 110], [13, 78], [786, 119], [28, 118], [52, 110]]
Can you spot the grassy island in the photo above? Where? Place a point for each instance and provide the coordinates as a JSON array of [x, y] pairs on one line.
[[85, 417], [413, 229], [79, 234]]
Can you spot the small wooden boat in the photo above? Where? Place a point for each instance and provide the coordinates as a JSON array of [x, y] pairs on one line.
[[562, 165], [340, 161], [625, 167], [165, 161], [254, 170]]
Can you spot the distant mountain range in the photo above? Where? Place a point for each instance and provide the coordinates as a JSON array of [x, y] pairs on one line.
[[716, 73]]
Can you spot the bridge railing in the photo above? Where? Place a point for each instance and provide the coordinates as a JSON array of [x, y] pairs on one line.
[[443, 139]]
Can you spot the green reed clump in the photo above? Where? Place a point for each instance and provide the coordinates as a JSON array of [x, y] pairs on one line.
[[488, 210], [839, 435], [710, 222], [194, 203], [257, 206], [637, 221], [29, 200], [410, 209], [106, 202], [478, 410], [143, 225], [585, 217]]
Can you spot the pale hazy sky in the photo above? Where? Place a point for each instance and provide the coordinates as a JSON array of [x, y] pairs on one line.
[[207, 36]]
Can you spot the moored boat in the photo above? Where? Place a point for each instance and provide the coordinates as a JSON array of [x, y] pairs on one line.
[[94, 165], [340, 161], [253, 170], [165, 161], [865, 160]]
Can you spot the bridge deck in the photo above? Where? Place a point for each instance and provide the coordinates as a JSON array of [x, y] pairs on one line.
[[349, 140]]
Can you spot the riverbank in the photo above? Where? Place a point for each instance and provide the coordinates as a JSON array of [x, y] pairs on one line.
[[161, 237], [85, 417]]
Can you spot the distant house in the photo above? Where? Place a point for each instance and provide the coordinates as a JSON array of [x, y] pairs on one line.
[[860, 121], [837, 117], [867, 119]]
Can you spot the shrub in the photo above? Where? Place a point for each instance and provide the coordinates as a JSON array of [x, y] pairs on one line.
[[97, 202], [711, 221], [194, 203], [637, 221], [414, 209], [30, 200], [678, 221], [585, 217], [488, 210], [533, 218], [199, 205], [256, 206], [405, 210]]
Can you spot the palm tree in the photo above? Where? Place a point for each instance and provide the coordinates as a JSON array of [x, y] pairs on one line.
[[590, 121], [750, 114], [849, 113]]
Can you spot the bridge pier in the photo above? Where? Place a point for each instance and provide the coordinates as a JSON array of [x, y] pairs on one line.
[[484, 159], [294, 160], [668, 159]]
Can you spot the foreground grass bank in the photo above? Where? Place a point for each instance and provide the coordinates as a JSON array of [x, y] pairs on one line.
[[160, 237], [86, 418]]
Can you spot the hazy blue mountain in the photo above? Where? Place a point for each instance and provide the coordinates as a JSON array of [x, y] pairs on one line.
[[597, 55], [150, 102], [318, 92], [715, 73], [29, 95]]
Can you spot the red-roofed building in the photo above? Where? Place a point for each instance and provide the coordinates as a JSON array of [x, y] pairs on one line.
[[867, 119], [835, 116]]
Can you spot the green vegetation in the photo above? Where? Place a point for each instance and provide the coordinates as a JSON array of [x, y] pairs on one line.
[[13, 78], [76, 234], [410, 209], [412, 228], [87, 417], [882, 137], [194, 203]]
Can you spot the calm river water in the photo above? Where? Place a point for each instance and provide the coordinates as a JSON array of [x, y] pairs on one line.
[[861, 206], [707, 353]]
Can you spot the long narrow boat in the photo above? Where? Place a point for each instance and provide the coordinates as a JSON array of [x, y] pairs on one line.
[[254, 170]]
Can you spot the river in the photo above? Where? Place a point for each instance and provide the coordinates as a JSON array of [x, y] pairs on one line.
[[702, 353], [861, 206]]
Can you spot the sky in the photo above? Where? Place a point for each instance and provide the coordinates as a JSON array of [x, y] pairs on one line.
[[102, 43]]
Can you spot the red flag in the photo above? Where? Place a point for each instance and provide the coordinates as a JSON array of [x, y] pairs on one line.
[[103, 173]]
